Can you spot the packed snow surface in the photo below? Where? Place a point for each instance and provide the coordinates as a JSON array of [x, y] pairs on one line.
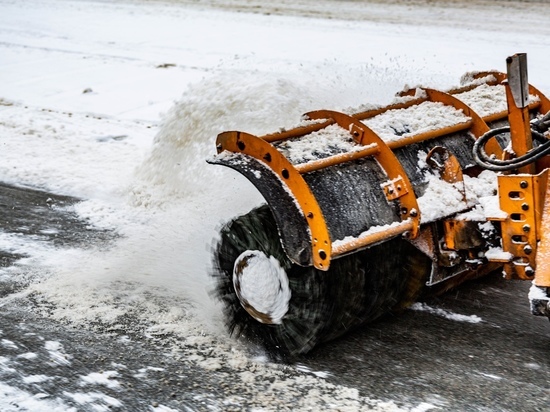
[[331, 140], [119, 103], [425, 117]]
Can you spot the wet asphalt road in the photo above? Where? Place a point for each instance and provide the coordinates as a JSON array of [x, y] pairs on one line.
[[499, 364]]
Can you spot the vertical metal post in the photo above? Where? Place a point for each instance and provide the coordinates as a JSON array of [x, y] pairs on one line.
[[517, 96]]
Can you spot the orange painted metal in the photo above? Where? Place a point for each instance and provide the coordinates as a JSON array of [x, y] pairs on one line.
[[385, 158], [544, 102], [522, 197], [478, 128], [504, 114], [369, 239], [520, 130], [296, 132], [431, 134], [542, 274], [313, 165], [375, 112], [372, 150], [239, 142], [374, 146], [447, 164]]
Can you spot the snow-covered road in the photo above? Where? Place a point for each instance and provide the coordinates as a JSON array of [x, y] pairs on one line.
[[119, 103]]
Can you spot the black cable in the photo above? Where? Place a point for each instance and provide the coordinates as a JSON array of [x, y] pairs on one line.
[[484, 160]]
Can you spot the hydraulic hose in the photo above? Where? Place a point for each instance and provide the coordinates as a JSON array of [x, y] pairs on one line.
[[537, 129]]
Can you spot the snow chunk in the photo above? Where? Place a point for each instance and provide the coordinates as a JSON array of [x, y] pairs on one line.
[[104, 378], [468, 79], [162, 408], [498, 255]]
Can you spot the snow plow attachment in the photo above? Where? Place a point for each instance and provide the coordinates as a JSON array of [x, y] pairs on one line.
[[365, 208]]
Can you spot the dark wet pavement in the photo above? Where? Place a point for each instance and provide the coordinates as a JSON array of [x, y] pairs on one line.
[[501, 363]]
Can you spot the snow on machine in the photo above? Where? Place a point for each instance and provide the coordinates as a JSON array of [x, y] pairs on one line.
[[366, 209]]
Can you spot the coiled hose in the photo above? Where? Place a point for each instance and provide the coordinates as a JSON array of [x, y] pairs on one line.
[[537, 130]]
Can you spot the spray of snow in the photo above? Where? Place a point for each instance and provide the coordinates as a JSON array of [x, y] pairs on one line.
[[445, 313], [168, 211]]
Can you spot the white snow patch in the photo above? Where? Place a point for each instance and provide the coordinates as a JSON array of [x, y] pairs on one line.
[[162, 408], [28, 355], [446, 314], [142, 373], [440, 199], [398, 124], [538, 292], [16, 400], [423, 407], [497, 254], [329, 141], [4, 362], [94, 398], [473, 198], [485, 100], [8, 344], [105, 378], [36, 378], [55, 350]]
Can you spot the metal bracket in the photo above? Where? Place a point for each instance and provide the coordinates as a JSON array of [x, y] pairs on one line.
[[394, 189], [521, 197]]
